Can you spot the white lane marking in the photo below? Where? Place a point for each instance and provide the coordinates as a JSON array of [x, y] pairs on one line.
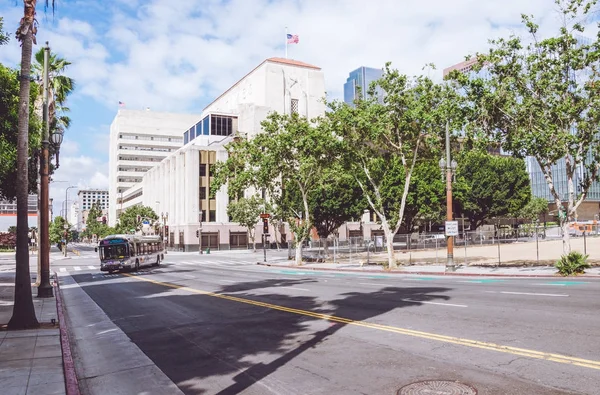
[[77, 268], [186, 263], [296, 288], [527, 293], [63, 269], [188, 276], [436, 303], [227, 281], [470, 281], [91, 267], [555, 285], [379, 284]]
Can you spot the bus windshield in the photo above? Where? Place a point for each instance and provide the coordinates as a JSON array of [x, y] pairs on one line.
[[114, 251]]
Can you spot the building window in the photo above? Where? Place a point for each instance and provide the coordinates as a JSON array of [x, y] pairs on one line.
[[212, 216], [220, 125], [202, 170], [294, 106], [202, 193], [186, 137], [205, 126]]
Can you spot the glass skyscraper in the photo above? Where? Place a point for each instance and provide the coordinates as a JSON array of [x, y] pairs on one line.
[[359, 81]]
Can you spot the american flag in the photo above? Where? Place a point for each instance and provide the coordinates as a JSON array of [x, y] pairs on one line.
[[121, 104], [292, 39]]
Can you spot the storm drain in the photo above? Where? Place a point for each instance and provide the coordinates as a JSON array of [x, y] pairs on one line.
[[437, 387]]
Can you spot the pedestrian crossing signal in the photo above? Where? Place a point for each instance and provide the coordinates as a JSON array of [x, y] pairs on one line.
[[197, 233], [265, 225]]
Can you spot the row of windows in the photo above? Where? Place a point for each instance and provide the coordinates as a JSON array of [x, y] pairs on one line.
[[142, 169], [215, 125], [212, 215], [143, 159], [136, 148], [130, 179], [149, 138], [202, 170], [148, 248]]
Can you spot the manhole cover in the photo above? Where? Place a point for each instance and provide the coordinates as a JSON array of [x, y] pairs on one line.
[[437, 387]]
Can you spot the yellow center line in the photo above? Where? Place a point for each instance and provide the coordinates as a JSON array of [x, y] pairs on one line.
[[565, 359]]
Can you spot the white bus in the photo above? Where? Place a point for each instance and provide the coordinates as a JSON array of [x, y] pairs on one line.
[[127, 252]]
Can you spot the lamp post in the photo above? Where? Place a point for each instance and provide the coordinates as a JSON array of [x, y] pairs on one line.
[[449, 166], [67, 213], [45, 289], [200, 231], [164, 217]]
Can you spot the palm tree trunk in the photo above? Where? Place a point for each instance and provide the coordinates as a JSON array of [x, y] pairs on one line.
[[23, 312]]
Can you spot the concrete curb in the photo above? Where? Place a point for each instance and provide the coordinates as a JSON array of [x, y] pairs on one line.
[[428, 273], [71, 384]]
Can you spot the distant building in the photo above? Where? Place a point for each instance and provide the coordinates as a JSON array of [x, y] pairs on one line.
[[85, 199], [139, 139], [358, 83], [8, 213]]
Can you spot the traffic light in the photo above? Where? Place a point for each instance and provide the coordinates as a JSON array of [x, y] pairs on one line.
[[197, 233], [104, 220], [265, 225]]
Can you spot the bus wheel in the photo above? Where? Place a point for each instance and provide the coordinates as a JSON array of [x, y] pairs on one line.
[[137, 265]]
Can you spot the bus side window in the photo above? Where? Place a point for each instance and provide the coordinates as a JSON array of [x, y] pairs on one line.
[[132, 249]]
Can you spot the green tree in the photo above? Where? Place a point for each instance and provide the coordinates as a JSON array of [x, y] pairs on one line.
[[426, 199], [532, 210], [23, 312], [542, 99], [291, 149], [57, 230], [9, 116], [246, 211], [12, 229], [133, 218], [394, 134], [3, 36], [92, 225], [489, 186]]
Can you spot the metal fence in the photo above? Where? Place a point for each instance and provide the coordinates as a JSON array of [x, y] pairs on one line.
[[527, 245]]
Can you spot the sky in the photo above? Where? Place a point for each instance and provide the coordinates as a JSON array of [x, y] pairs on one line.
[[178, 56]]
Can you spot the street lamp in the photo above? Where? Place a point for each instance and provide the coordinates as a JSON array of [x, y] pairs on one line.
[[164, 218], [67, 213], [200, 231], [449, 166], [56, 140]]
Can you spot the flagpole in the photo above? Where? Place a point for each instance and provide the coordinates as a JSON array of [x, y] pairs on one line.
[[286, 41]]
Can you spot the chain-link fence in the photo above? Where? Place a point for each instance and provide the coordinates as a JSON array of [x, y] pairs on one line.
[[526, 245]]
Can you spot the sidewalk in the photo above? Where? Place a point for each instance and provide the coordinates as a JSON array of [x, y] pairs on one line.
[[508, 271], [31, 361]]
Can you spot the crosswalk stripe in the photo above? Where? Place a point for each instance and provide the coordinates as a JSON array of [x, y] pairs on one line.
[[91, 267], [63, 269], [77, 268]]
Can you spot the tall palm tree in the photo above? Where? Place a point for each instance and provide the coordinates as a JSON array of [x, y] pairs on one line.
[[23, 312], [60, 85]]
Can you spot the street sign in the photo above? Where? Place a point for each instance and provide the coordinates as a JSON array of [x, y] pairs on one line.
[[146, 222], [451, 228], [265, 215]]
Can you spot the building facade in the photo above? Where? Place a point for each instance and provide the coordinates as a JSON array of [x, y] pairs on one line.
[[8, 213], [139, 139], [85, 199], [358, 83], [178, 188]]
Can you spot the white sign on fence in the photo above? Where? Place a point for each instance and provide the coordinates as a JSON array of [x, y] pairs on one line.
[[451, 228]]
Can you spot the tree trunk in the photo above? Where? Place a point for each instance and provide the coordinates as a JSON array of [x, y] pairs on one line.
[[23, 312], [299, 252], [566, 237], [389, 241], [326, 246], [253, 239]]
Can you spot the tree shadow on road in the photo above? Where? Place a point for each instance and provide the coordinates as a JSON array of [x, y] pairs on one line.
[[208, 344]]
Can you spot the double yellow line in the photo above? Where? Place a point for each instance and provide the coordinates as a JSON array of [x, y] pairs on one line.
[[565, 359]]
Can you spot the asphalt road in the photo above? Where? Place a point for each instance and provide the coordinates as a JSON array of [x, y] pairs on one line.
[[219, 324]]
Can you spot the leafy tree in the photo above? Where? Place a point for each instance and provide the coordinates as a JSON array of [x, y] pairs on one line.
[[3, 36], [92, 225], [489, 186], [57, 230], [12, 229], [426, 199], [246, 212], [393, 134], [23, 312], [542, 100], [128, 219], [291, 149], [532, 210], [9, 116]]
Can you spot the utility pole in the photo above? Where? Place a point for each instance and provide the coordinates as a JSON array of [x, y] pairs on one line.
[[45, 289], [450, 239], [200, 231]]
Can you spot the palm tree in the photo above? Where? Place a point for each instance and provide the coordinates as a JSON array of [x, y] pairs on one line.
[[60, 85], [23, 312]]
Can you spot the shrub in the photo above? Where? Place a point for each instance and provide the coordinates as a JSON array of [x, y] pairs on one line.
[[573, 263]]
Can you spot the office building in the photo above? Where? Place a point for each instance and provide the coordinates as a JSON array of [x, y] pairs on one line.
[[178, 188], [85, 199], [8, 213], [139, 139], [358, 83]]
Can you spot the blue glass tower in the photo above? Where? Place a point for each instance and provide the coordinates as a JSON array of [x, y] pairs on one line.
[[358, 82]]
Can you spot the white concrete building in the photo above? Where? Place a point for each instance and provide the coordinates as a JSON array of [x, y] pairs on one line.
[[178, 187], [139, 140], [85, 199]]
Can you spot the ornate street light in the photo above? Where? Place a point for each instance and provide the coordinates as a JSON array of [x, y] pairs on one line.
[[56, 140]]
